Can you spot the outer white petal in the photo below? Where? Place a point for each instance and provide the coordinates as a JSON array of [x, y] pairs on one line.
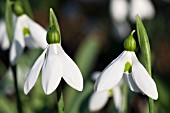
[[4, 41], [52, 69], [129, 80], [117, 95], [98, 101], [119, 10], [18, 43], [142, 79], [144, 8], [112, 74], [38, 33], [71, 72], [34, 72]]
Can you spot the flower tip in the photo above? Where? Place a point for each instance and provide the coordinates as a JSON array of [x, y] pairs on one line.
[[26, 90]]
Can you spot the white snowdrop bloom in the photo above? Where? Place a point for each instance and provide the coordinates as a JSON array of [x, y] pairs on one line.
[[119, 10], [139, 80], [99, 99], [143, 8], [4, 41], [26, 33], [55, 64]]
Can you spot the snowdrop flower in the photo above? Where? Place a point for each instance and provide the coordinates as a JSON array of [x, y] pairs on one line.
[[26, 33], [143, 8], [139, 80], [99, 99], [55, 64], [120, 10], [4, 41]]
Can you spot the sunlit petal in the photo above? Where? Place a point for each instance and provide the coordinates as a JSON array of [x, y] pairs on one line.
[[71, 72], [34, 72], [142, 79], [98, 101], [129, 80], [52, 70], [38, 33], [112, 73], [18, 43]]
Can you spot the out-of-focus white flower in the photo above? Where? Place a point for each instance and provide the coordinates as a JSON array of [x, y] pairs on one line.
[[55, 64], [99, 99], [143, 8], [139, 80], [26, 33], [4, 41], [120, 10]]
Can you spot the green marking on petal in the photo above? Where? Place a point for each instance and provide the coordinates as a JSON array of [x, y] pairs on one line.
[[110, 92], [26, 31], [128, 67]]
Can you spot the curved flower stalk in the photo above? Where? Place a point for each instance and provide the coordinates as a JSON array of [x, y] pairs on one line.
[[99, 99], [138, 80], [26, 33], [55, 64], [4, 41]]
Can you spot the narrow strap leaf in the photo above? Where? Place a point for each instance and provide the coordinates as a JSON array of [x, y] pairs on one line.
[[144, 44], [27, 8], [146, 53]]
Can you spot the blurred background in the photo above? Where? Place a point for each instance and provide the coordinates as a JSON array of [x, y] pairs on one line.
[[93, 33]]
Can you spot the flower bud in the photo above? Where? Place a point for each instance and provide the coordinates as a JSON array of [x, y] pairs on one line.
[[53, 36], [17, 8], [130, 43]]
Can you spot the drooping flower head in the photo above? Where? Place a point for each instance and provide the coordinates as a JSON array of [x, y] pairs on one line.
[[99, 99], [26, 33], [55, 65], [138, 80]]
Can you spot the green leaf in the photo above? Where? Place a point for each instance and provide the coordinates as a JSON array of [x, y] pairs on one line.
[[53, 21], [9, 19], [87, 54], [146, 52], [144, 44]]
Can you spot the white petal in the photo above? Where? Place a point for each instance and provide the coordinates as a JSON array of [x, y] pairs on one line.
[[117, 95], [30, 42], [143, 8], [98, 101], [38, 33], [34, 72], [142, 79], [52, 69], [112, 73], [4, 41], [129, 80], [119, 10], [71, 72], [18, 43]]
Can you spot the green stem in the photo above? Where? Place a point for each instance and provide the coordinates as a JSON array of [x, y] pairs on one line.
[[19, 104], [151, 106], [125, 95], [60, 101]]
